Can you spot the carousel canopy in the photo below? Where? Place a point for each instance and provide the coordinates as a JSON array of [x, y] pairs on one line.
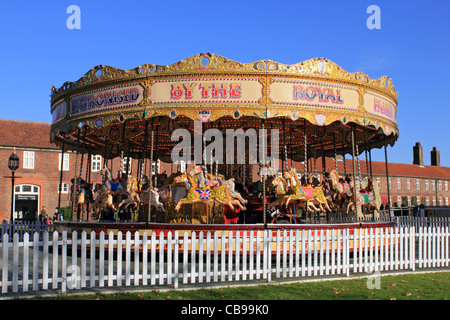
[[108, 109]]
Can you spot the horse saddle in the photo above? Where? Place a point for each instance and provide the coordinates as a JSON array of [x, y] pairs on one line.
[[115, 186]]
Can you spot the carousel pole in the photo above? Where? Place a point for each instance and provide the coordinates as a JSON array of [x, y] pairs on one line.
[[155, 158], [367, 160], [357, 161], [306, 151], [143, 152], [324, 165], [60, 178], [387, 173], [149, 210], [335, 152], [142, 168], [343, 160], [88, 180], [355, 187], [315, 160], [290, 145], [370, 162], [264, 176], [75, 179], [284, 163], [105, 155]]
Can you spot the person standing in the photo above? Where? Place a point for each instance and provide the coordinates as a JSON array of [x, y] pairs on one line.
[[43, 214]]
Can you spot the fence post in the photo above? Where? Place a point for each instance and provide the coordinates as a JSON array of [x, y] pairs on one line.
[[175, 260], [268, 251], [412, 253], [346, 249], [5, 248]]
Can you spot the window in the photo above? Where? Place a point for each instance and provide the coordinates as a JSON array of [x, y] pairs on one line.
[[399, 183], [379, 183], [408, 184], [440, 185], [433, 185], [408, 200], [427, 187], [446, 185], [417, 184], [124, 165], [440, 201], [434, 201], [65, 187], [155, 166], [65, 164], [418, 200], [427, 201], [389, 181], [96, 163], [399, 200], [28, 159], [446, 201]]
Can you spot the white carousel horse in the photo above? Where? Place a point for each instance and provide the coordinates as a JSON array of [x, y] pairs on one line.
[[154, 199]]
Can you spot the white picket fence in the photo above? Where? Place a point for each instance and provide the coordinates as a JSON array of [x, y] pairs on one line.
[[107, 260]]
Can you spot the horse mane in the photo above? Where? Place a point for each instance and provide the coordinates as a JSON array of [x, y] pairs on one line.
[[334, 175], [283, 181], [190, 179]]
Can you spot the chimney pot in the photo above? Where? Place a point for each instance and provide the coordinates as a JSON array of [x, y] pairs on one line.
[[418, 154], [435, 157]]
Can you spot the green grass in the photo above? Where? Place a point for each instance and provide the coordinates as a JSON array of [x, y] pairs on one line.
[[422, 286]]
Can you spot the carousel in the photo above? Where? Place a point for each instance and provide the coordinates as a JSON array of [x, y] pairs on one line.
[[241, 143]]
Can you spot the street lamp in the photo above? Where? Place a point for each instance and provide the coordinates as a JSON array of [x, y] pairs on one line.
[[13, 165]]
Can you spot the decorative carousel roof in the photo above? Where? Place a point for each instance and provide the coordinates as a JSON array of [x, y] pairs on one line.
[[316, 93]]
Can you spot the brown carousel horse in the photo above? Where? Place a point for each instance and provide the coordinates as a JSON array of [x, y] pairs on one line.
[[341, 192], [281, 189], [343, 196]]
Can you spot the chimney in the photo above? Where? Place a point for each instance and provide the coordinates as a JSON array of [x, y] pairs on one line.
[[418, 154], [435, 157]]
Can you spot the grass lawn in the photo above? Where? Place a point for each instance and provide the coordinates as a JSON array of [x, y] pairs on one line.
[[420, 286]]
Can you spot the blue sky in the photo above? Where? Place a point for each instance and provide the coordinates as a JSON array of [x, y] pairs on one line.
[[37, 50]]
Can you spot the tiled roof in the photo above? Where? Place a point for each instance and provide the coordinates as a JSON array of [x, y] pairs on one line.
[[18, 133], [379, 168]]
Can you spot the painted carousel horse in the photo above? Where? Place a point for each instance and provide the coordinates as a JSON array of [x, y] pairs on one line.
[[215, 181], [154, 199], [220, 194], [366, 199], [341, 191], [132, 192], [84, 194], [280, 190], [103, 200], [311, 195], [111, 184], [230, 184], [270, 174], [199, 175]]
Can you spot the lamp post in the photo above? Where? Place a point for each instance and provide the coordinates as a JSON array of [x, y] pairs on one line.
[[13, 165]]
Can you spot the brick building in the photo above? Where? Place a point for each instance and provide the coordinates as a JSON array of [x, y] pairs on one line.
[[39, 173]]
